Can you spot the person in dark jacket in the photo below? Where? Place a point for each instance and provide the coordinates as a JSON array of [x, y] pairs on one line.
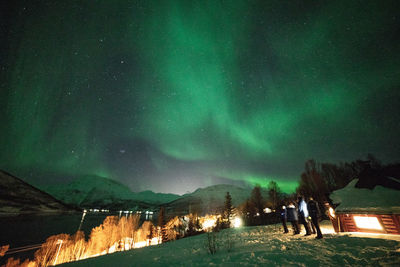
[[284, 219], [315, 214], [303, 214], [292, 217]]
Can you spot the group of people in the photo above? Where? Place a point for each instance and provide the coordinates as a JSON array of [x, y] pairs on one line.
[[302, 212]]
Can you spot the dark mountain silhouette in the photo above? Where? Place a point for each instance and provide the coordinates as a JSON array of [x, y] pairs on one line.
[[18, 197], [388, 176]]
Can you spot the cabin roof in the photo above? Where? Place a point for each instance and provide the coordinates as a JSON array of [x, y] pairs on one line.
[[380, 200]]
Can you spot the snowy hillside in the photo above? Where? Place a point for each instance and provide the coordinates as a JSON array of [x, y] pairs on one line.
[[210, 199], [96, 190], [379, 199], [260, 246], [17, 196]]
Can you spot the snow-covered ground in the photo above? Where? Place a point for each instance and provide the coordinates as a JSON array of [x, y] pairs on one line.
[[262, 246]]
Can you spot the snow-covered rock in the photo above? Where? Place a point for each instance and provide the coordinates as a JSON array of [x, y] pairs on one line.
[[379, 200]]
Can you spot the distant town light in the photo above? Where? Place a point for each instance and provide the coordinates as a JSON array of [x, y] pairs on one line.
[[209, 223], [237, 222], [267, 210], [364, 222]]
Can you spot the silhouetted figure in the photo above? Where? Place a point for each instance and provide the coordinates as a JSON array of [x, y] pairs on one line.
[[284, 219], [303, 214], [312, 226], [315, 214], [292, 217]]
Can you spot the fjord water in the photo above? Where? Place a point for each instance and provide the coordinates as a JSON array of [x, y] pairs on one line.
[[26, 230]]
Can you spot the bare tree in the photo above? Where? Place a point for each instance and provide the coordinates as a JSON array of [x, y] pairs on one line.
[[274, 194]]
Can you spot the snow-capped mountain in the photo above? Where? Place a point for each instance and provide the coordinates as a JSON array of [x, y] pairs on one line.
[[98, 192], [91, 191], [88, 189], [18, 197]]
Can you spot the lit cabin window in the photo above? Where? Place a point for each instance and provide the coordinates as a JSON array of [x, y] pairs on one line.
[[367, 222]]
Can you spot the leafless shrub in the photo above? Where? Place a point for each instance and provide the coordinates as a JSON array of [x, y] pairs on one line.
[[212, 242]]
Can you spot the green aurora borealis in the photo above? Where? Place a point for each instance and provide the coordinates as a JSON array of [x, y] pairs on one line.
[[175, 95]]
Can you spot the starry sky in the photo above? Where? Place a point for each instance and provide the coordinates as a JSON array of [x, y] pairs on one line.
[[175, 95]]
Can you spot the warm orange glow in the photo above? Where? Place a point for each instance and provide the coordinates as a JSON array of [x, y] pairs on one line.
[[327, 229], [127, 244], [114, 234], [209, 221], [365, 222]]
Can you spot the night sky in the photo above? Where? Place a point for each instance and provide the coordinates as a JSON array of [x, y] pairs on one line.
[[175, 95]]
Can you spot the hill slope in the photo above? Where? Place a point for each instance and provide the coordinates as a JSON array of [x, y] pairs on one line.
[[209, 200], [17, 196]]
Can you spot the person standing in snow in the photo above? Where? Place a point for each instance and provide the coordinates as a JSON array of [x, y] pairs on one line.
[[284, 219], [315, 214], [311, 224], [303, 214], [292, 217]]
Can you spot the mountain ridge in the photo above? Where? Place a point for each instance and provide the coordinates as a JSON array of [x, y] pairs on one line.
[[91, 190], [210, 199], [20, 197]]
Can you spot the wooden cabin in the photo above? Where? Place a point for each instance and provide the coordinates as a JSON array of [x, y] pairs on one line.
[[369, 223], [366, 210]]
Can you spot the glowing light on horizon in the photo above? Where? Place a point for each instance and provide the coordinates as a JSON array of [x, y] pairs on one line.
[[208, 223], [237, 222], [267, 210]]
